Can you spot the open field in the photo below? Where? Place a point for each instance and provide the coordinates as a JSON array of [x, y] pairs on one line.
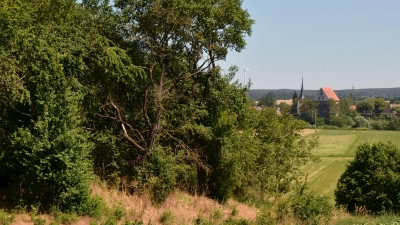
[[334, 143], [336, 149]]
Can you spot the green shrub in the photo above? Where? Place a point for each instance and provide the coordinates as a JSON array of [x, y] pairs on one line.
[[217, 214], [167, 217], [38, 220], [311, 208], [360, 121], [340, 121], [136, 222], [95, 207], [264, 218], [371, 180], [119, 212], [235, 211], [109, 221], [201, 221], [231, 221], [160, 174], [64, 218], [283, 208], [378, 124]]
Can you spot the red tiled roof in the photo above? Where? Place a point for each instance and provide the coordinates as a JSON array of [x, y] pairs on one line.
[[353, 107], [330, 93]]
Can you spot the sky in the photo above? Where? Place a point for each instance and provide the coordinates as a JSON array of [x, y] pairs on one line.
[[331, 43]]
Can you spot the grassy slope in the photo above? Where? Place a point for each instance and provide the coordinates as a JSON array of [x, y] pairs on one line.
[[336, 148], [179, 208]]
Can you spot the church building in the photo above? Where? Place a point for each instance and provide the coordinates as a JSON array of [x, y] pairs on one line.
[[301, 97], [323, 96]]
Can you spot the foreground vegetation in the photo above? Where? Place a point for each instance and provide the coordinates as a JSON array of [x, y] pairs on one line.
[[336, 148], [130, 92]]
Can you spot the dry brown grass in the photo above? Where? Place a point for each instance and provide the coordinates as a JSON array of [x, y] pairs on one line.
[[185, 208]]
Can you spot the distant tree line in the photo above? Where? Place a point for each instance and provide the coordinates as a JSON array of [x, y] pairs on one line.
[[386, 93]]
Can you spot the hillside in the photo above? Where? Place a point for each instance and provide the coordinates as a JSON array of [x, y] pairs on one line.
[[386, 93]]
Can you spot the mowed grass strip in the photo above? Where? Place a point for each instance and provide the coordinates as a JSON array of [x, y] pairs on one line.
[[343, 143], [323, 176]]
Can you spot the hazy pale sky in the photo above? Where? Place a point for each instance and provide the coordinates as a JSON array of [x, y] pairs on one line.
[[333, 43]]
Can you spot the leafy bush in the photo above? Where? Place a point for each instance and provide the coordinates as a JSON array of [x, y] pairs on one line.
[[360, 121], [371, 180], [311, 208], [320, 121], [161, 174], [340, 121], [378, 124], [95, 207], [394, 123]]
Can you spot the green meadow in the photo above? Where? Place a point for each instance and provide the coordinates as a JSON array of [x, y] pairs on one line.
[[336, 149]]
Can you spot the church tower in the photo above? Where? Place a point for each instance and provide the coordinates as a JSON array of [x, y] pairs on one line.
[[301, 96]]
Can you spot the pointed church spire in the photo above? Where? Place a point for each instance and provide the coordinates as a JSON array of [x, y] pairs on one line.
[[301, 91], [299, 100]]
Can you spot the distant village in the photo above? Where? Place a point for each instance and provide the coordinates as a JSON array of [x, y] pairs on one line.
[[326, 108]]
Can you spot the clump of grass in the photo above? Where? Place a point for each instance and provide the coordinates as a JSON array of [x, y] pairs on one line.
[[136, 222], [110, 221], [6, 218], [167, 217], [201, 221], [231, 221], [38, 220], [217, 214], [119, 212], [64, 218], [235, 211]]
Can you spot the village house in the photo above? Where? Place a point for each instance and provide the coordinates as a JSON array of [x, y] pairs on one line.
[[324, 94]]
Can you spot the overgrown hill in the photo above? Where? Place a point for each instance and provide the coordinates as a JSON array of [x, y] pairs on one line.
[[122, 208]]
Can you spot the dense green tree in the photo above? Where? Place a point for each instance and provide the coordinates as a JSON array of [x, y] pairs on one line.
[[182, 40], [365, 106], [371, 180], [344, 106], [284, 108], [308, 110], [267, 102], [333, 107], [379, 105], [46, 153], [393, 123], [293, 108], [283, 151]]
